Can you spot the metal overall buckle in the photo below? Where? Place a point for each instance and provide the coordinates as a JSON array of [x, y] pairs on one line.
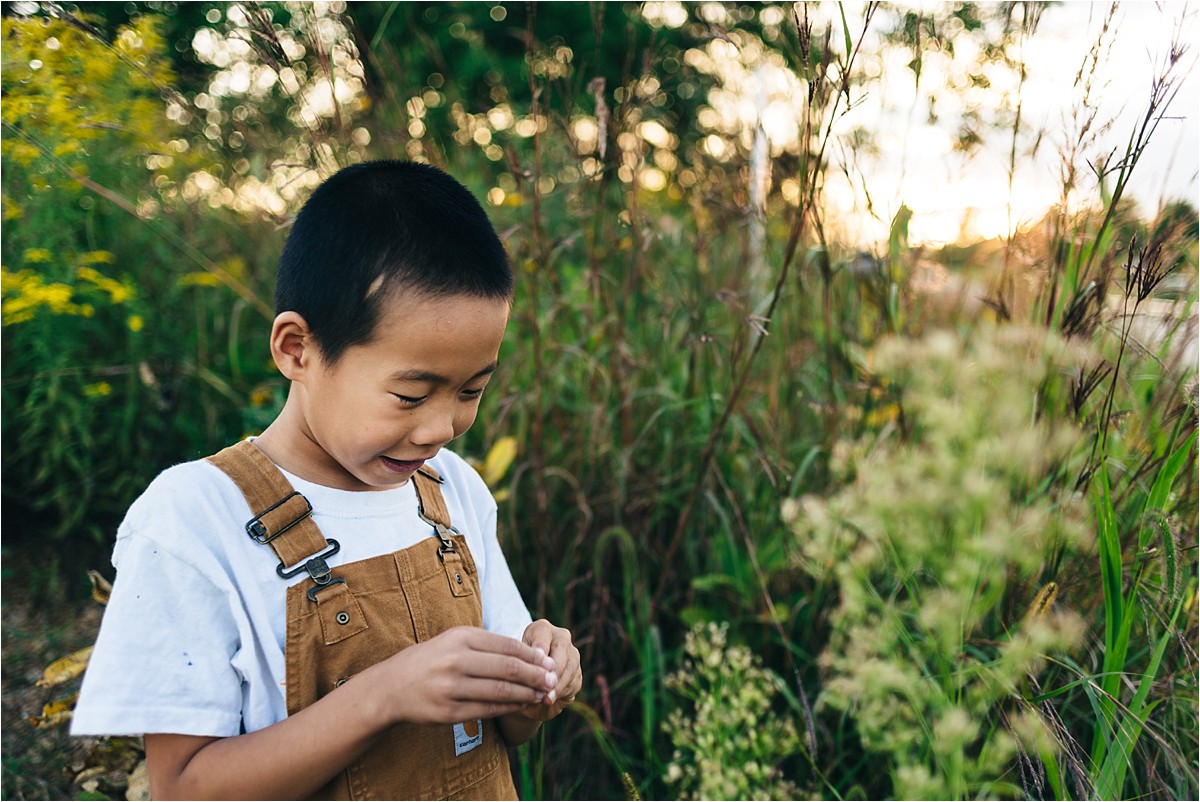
[[258, 530], [318, 569], [443, 533]]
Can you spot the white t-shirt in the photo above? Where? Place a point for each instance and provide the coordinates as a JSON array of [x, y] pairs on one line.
[[192, 641]]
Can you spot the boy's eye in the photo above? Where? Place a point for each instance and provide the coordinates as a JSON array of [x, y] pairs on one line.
[[408, 400], [473, 393]]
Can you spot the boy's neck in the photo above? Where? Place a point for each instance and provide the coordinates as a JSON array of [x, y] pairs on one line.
[[289, 443]]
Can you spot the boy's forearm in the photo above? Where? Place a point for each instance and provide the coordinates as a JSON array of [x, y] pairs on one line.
[[517, 728], [296, 757], [463, 674], [291, 759]]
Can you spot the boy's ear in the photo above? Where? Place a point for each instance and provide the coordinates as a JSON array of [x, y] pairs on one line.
[[292, 345]]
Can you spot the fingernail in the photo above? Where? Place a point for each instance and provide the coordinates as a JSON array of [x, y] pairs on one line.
[[550, 697], [551, 679], [541, 655], [548, 664]]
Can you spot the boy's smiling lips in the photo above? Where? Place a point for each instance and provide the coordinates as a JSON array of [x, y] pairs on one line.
[[402, 466]]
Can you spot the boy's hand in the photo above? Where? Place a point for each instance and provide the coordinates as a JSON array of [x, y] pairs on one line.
[[467, 673], [556, 642]]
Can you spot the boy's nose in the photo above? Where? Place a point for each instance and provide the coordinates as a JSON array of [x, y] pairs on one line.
[[436, 428]]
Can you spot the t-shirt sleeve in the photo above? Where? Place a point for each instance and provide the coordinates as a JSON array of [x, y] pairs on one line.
[[163, 659]]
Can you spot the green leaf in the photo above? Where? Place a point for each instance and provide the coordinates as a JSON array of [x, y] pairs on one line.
[[1111, 779]]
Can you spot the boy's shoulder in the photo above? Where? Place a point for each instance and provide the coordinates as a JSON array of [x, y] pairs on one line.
[[191, 510], [190, 493]]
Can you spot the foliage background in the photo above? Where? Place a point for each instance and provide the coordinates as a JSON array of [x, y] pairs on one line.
[[836, 505]]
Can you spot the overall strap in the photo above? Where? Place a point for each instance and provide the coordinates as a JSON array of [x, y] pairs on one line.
[[282, 517], [431, 507]]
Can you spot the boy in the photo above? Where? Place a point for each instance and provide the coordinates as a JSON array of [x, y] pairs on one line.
[[388, 654]]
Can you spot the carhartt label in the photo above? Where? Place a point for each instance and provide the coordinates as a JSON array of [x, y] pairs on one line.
[[465, 741]]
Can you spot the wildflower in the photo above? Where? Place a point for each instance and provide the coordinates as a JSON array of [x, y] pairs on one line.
[[199, 278], [728, 741], [118, 293], [789, 511], [25, 293], [135, 323], [97, 390], [922, 544], [38, 255], [97, 257], [12, 209]]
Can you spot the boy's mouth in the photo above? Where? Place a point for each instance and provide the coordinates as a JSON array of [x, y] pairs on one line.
[[401, 466]]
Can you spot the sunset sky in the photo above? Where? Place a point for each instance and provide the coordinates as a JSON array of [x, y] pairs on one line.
[[953, 196]]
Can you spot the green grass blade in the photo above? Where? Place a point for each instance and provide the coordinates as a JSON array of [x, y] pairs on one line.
[[1116, 634], [846, 33], [1165, 480], [1111, 778]]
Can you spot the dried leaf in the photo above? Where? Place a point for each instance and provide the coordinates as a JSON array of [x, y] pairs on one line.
[[65, 668], [499, 459], [139, 784], [56, 713], [90, 773], [101, 587]]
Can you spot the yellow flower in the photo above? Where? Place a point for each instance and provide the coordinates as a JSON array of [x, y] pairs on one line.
[[117, 292], [12, 209], [97, 389], [260, 397], [97, 257], [37, 255], [136, 323], [882, 415], [199, 278], [25, 293]]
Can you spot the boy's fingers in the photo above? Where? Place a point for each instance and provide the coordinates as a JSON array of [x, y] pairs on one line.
[[539, 635], [483, 690], [566, 663], [489, 642], [563, 652], [470, 710], [510, 669]]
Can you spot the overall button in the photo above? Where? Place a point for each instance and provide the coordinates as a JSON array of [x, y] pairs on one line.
[[343, 617], [458, 578]]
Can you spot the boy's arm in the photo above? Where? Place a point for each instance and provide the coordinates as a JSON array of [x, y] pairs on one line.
[[517, 728], [462, 674]]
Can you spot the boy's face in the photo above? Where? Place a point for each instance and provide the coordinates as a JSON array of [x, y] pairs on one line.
[[373, 417]]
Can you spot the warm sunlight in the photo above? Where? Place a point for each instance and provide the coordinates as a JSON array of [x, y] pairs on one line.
[[961, 194]]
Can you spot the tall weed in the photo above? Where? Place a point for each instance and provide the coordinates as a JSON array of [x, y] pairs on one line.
[[936, 550]]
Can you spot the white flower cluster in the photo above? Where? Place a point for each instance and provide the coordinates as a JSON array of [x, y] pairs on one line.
[[729, 741], [935, 549]]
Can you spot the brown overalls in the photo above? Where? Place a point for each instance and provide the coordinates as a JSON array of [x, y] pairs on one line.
[[339, 624]]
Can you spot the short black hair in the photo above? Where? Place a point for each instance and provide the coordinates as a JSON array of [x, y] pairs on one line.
[[381, 226]]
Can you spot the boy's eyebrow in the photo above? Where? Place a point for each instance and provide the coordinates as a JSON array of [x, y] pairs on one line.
[[417, 375]]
